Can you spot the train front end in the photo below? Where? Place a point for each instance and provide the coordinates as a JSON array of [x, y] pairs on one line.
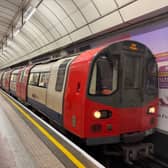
[[122, 94]]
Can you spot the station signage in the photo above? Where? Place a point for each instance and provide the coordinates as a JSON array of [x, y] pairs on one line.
[[163, 98]]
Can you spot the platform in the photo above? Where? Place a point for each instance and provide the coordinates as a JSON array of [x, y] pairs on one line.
[[20, 146], [28, 141]]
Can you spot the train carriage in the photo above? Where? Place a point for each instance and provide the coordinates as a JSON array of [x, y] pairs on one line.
[[37, 86], [104, 95], [22, 83], [6, 80], [46, 88], [1, 75], [13, 80]]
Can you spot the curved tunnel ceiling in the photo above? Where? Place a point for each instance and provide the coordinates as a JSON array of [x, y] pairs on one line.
[[56, 23]]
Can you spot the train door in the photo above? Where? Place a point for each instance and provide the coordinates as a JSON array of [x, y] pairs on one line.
[[55, 92], [131, 90], [18, 84], [13, 81], [1, 77], [7, 80], [24, 82]]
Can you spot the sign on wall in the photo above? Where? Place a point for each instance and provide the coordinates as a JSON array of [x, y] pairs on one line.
[[163, 97]]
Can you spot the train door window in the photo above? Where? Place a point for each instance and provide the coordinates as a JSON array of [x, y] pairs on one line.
[[151, 77], [132, 69], [61, 75], [24, 75], [3, 79], [43, 81], [21, 76], [8, 76], [12, 77], [33, 79], [104, 77]]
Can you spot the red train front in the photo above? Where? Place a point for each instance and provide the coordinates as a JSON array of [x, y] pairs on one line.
[[111, 94]]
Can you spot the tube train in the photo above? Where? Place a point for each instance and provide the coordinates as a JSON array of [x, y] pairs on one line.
[[105, 95]]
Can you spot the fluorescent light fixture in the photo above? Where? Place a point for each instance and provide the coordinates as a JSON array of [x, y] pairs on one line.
[[29, 13], [16, 32]]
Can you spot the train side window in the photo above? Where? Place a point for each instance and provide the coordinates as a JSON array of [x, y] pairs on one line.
[[33, 79], [61, 75], [92, 89], [43, 81], [104, 77], [14, 78], [132, 71]]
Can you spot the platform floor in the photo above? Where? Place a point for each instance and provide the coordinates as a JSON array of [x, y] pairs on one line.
[[20, 147]]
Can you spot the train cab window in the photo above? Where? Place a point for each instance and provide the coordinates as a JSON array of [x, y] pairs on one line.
[[43, 81], [33, 79], [61, 75], [104, 76], [151, 77], [132, 70]]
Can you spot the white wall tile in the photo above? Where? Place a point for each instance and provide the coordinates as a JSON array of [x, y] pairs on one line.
[[106, 22], [64, 41], [78, 19], [82, 3], [142, 7], [105, 6], [90, 12], [81, 33], [123, 2], [52, 5], [61, 29], [68, 6], [68, 24]]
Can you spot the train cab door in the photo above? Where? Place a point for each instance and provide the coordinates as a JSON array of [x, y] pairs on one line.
[[131, 90]]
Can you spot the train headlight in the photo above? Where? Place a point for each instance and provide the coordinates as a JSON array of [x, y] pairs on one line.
[[102, 114], [151, 110], [97, 114]]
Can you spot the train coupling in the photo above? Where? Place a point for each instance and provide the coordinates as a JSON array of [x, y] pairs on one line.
[[137, 151]]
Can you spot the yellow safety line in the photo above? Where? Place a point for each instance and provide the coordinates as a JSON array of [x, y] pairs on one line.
[[48, 135]]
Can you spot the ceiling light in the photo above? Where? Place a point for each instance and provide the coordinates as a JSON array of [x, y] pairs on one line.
[[28, 14], [16, 32]]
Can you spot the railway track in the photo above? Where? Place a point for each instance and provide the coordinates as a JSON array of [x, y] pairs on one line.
[[149, 162], [142, 163]]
